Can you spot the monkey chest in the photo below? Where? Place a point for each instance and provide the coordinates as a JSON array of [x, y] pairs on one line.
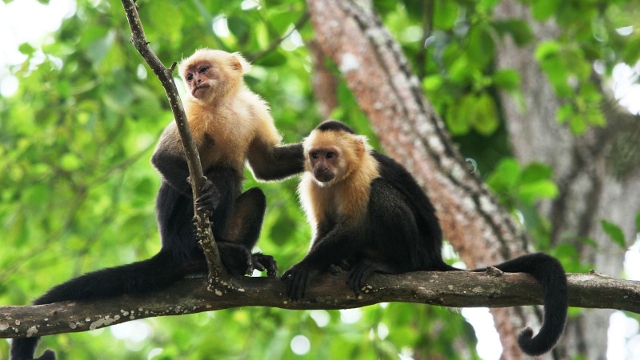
[[223, 147]]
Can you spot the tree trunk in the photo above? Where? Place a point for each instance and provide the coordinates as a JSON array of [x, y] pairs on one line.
[[590, 188]]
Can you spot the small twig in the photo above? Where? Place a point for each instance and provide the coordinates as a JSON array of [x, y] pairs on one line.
[[204, 234]]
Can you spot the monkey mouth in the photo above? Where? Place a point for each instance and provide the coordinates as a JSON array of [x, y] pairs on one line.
[[199, 87], [324, 178]]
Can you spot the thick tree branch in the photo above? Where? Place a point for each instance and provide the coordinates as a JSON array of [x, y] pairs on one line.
[[217, 273], [452, 289]]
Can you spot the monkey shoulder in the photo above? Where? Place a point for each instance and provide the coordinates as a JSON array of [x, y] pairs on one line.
[[385, 199], [261, 120]]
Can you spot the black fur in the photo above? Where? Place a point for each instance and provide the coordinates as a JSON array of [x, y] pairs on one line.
[[236, 217], [332, 125], [402, 233], [280, 163]]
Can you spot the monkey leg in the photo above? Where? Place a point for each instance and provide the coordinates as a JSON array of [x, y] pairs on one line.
[[244, 225]]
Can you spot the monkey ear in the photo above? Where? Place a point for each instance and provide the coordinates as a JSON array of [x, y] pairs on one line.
[[239, 63], [361, 145]]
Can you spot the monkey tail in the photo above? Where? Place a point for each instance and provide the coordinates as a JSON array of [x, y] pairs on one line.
[[139, 277], [550, 274]]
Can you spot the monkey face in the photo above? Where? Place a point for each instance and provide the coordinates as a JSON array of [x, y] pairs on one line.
[[200, 79], [325, 163]]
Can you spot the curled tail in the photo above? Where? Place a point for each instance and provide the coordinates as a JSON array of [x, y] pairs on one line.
[[549, 273], [139, 277]]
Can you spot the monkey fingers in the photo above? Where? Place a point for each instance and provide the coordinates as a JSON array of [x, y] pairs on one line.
[[209, 198], [298, 276], [263, 262], [342, 265], [360, 272]]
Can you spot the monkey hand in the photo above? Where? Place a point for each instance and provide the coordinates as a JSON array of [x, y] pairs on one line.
[[236, 258], [262, 262], [299, 277], [358, 275], [342, 265], [209, 198]]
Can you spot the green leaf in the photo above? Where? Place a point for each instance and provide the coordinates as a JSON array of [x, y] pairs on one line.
[[631, 52], [237, 26], [535, 172], [432, 82], [459, 115], [445, 14], [70, 162], [26, 49], [272, 59], [577, 124], [167, 20], [481, 47], [543, 9], [546, 49], [638, 222], [615, 233], [485, 119], [564, 112], [519, 30], [506, 175], [282, 20], [507, 79], [543, 189]]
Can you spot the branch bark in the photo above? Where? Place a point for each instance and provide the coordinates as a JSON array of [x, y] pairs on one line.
[[217, 272], [452, 289]]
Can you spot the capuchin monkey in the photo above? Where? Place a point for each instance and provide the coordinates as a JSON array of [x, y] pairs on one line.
[[231, 125], [368, 215]]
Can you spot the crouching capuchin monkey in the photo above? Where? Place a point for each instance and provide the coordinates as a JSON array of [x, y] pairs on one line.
[[368, 215], [231, 125]]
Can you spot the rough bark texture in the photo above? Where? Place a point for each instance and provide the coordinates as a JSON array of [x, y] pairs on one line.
[[389, 93], [324, 82], [591, 188], [453, 289]]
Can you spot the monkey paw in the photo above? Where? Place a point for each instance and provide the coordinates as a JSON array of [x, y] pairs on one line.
[[342, 265], [209, 198], [236, 258], [299, 277], [262, 262], [358, 275]]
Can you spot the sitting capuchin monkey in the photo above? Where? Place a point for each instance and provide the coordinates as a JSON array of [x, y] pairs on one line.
[[369, 215], [231, 126]]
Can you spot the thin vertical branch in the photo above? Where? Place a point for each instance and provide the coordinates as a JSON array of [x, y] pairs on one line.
[[196, 177]]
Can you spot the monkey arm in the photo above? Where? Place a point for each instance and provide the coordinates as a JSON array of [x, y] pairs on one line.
[[174, 170], [275, 163]]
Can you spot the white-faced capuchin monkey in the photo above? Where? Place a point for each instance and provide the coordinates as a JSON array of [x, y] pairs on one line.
[[231, 125], [368, 215]]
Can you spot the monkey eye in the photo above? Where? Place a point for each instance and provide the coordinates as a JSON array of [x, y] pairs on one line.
[[204, 69], [314, 154], [189, 76], [331, 155]]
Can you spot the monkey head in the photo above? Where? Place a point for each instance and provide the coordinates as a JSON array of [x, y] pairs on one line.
[[333, 152], [211, 74]]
